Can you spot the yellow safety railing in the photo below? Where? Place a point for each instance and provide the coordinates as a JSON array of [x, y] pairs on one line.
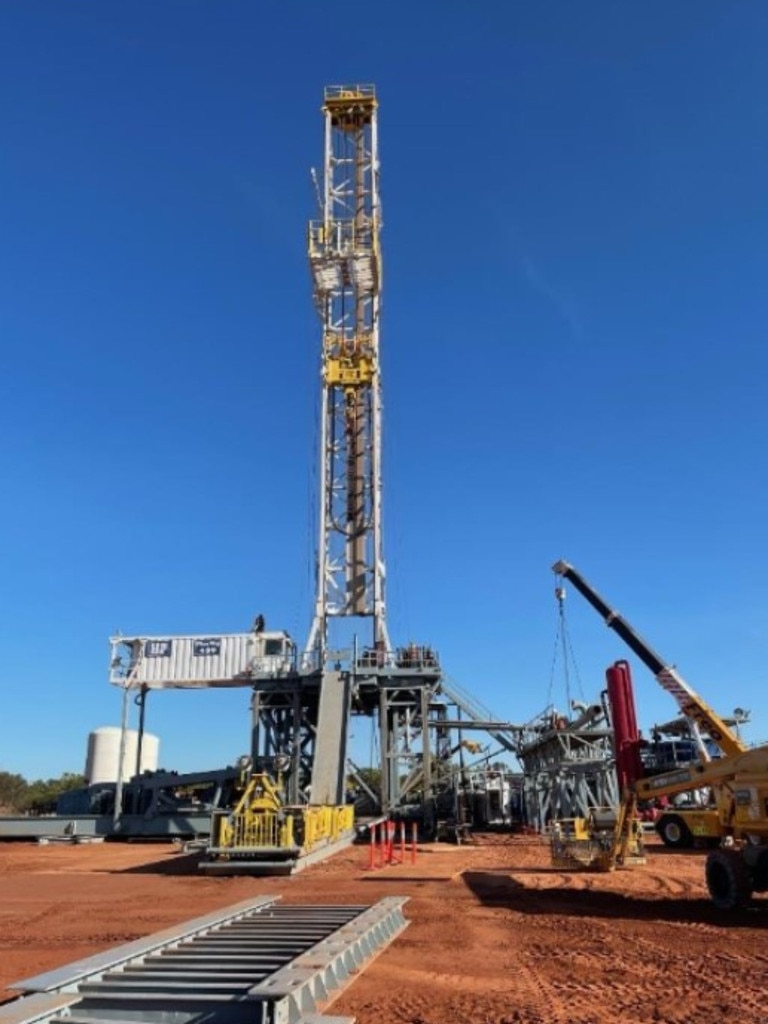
[[250, 829], [261, 821], [326, 823], [344, 819], [305, 827], [345, 92]]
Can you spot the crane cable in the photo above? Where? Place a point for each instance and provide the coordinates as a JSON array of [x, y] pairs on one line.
[[563, 646]]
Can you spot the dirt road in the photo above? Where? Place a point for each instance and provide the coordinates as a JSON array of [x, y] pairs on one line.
[[496, 935]]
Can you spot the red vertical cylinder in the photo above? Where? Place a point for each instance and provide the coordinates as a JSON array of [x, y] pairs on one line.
[[626, 736]]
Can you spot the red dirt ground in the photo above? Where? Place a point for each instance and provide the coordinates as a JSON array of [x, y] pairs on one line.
[[496, 936]]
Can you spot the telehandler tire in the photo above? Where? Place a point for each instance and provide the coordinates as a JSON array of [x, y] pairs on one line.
[[729, 880], [674, 832]]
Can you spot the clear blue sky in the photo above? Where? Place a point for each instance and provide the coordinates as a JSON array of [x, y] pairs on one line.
[[573, 343]]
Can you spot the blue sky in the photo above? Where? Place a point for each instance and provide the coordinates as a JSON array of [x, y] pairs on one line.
[[573, 342]]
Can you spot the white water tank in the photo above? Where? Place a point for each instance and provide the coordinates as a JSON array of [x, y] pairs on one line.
[[103, 757]]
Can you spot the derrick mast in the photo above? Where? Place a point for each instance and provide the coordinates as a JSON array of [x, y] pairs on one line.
[[345, 261]]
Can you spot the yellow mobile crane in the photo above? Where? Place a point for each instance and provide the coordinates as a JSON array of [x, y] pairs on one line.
[[738, 780], [679, 826]]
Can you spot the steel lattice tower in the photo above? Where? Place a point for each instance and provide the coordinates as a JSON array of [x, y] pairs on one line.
[[345, 260]]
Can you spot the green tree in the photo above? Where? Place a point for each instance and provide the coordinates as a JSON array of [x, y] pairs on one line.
[[17, 796], [42, 794], [13, 789]]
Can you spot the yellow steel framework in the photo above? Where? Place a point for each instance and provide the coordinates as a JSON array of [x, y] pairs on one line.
[[260, 823]]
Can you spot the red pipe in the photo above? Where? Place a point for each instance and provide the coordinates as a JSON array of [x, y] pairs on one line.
[[626, 735]]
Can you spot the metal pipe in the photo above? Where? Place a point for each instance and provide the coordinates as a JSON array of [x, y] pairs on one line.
[[590, 714], [118, 808]]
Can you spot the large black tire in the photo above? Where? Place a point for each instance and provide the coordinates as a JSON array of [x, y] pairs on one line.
[[757, 859], [674, 832], [729, 880]]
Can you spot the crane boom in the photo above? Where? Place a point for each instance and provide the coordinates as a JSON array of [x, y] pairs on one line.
[[689, 702]]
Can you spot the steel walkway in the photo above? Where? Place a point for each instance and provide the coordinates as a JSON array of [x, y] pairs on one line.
[[256, 962]]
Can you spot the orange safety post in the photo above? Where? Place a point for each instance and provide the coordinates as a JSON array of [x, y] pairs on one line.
[[402, 842], [390, 841]]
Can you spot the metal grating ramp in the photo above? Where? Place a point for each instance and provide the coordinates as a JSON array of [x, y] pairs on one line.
[[254, 963]]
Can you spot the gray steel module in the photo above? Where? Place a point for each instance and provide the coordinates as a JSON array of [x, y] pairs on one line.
[[253, 963]]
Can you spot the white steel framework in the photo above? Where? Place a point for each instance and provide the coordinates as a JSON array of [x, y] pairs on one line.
[[345, 261]]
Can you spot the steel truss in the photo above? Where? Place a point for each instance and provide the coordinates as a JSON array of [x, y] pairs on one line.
[[569, 766], [345, 259], [284, 730]]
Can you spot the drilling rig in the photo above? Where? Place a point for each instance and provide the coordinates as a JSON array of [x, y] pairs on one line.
[[302, 719], [396, 685], [294, 783], [306, 717]]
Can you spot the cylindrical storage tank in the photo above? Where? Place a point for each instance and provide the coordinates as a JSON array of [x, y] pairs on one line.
[[150, 753], [103, 757]]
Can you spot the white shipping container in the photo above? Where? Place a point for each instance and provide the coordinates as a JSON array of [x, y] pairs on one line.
[[181, 662]]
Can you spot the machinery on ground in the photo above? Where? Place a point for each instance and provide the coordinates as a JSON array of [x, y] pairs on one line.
[[609, 836], [701, 821], [261, 833], [606, 839], [150, 805], [738, 780], [740, 866]]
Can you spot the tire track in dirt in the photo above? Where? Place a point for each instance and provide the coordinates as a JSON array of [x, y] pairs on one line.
[[541, 1001], [534, 881], [519, 993], [613, 974], [671, 886], [18, 923], [683, 968], [584, 962]]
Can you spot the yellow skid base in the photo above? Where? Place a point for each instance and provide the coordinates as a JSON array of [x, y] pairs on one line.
[[273, 861], [246, 867]]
